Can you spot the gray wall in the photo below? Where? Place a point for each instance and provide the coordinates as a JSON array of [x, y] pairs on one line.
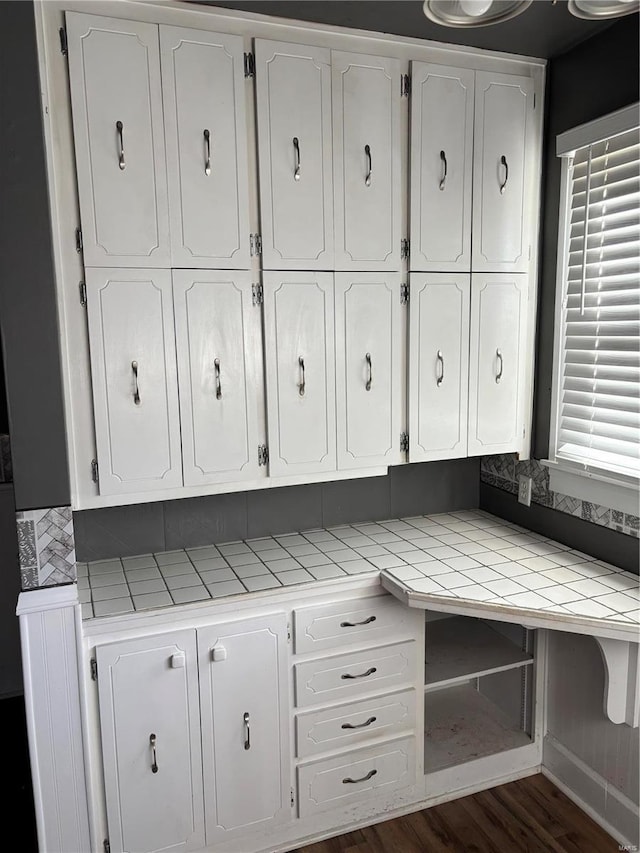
[[10, 662]]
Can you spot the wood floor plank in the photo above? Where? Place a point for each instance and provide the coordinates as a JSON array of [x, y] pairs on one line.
[[498, 824]]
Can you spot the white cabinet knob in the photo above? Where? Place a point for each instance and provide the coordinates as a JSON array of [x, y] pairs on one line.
[[218, 653], [178, 661]]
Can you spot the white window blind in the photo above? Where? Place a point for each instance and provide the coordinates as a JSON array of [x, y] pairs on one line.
[[599, 394]]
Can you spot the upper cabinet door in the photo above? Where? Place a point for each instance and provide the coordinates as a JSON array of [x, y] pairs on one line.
[[366, 161], [368, 351], [300, 372], [441, 167], [205, 119], [217, 336], [438, 365], [133, 372], [496, 362], [294, 147], [114, 68], [501, 222]]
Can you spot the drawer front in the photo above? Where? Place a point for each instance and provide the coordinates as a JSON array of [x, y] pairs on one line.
[[360, 775], [355, 674], [351, 725], [329, 626]]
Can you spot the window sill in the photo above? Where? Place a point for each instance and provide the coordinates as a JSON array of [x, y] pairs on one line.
[[619, 494]]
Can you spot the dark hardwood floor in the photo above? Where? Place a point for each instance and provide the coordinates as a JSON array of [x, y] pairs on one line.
[[529, 816]]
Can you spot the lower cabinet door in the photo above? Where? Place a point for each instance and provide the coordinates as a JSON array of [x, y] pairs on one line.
[[217, 336], [368, 369], [148, 694], [496, 362], [133, 373], [245, 726], [438, 365]]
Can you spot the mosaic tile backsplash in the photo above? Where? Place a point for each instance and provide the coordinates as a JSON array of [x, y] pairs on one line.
[[46, 547], [504, 470]]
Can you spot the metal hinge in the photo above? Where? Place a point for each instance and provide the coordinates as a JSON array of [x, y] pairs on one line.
[[257, 294], [82, 287], [404, 442], [78, 239], [94, 470], [94, 669], [64, 46], [263, 454], [293, 798], [249, 65], [404, 249], [404, 294], [255, 244], [107, 846], [405, 85]]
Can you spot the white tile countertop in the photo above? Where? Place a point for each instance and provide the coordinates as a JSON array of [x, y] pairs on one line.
[[461, 562]]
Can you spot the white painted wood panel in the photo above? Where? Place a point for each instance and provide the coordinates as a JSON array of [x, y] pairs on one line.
[[438, 365], [148, 691], [206, 132], [496, 363], [217, 335], [501, 215], [368, 354], [366, 161], [135, 390], [114, 70], [245, 726], [300, 372], [293, 86], [441, 167]]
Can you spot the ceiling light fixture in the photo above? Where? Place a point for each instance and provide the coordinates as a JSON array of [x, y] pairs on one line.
[[473, 13], [595, 10]]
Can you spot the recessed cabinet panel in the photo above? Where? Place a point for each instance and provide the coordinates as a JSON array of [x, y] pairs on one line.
[[300, 372], [245, 726], [368, 369], [133, 369], [293, 87], [441, 167], [114, 69], [150, 725], [204, 103], [217, 336], [366, 161], [503, 113], [438, 365], [498, 338]]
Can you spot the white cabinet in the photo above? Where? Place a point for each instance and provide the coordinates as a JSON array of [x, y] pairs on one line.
[[368, 352], [150, 726], [501, 173], [218, 340], [245, 726], [114, 69], [300, 372], [293, 85], [366, 161], [133, 369], [206, 132], [496, 362], [441, 167], [438, 365]]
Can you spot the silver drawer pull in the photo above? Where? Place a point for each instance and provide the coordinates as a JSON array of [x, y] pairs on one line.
[[303, 382], [369, 381], [119, 129], [499, 373], [247, 731], [443, 158], [357, 624], [349, 781], [440, 378], [136, 390], [503, 185], [207, 152], [152, 743], [367, 180], [296, 151], [366, 723], [362, 674], [216, 365]]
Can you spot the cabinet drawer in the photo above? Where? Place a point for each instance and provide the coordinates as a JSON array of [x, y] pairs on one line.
[[329, 626], [350, 725], [366, 773], [355, 674]]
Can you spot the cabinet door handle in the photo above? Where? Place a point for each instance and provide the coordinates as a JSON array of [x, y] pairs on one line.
[[440, 378], [152, 743], [247, 731], [359, 725], [207, 152], [296, 151], [503, 162], [367, 151], [362, 674], [443, 159], [357, 624], [121, 163], [499, 373], [216, 366], [350, 781], [302, 384], [136, 390], [370, 377]]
